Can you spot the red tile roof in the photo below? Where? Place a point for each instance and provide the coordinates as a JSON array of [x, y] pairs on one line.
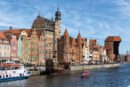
[[2, 36], [113, 38]]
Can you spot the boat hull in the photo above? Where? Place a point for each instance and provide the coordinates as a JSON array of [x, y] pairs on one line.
[[13, 78]]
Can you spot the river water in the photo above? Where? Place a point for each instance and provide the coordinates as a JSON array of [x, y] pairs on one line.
[[114, 77]]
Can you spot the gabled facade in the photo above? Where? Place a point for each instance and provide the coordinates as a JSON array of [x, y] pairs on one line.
[[87, 56], [70, 49], [25, 53], [19, 51], [34, 47], [4, 47], [13, 47], [79, 42]]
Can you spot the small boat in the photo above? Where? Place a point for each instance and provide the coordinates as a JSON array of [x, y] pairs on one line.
[[11, 71], [85, 74]]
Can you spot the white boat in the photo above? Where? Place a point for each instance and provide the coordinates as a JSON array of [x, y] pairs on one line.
[[10, 71]]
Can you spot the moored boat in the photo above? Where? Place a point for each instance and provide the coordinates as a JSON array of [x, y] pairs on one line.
[[10, 71], [85, 74]]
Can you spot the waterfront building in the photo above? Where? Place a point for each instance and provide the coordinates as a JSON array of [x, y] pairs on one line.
[[63, 48], [44, 41], [24, 46], [103, 55], [87, 56], [79, 43], [112, 47], [4, 47], [96, 55], [19, 52], [70, 49], [12, 36], [13, 47], [34, 47], [93, 44], [41, 49], [52, 32]]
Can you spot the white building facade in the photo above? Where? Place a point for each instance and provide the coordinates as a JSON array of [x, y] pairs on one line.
[[86, 53]]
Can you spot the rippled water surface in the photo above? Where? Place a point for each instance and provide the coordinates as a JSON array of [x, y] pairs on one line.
[[115, 77]]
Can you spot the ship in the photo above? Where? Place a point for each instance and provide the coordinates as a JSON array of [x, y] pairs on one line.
[[11, 71]]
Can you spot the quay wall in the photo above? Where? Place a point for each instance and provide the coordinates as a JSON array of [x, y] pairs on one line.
[[83, 67], [77, 68]]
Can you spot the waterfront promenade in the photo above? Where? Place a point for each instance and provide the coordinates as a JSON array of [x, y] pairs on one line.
[[75, 68], [83, 67]]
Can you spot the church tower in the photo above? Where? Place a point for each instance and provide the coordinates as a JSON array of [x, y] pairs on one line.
[[57, 32], [57, 24]]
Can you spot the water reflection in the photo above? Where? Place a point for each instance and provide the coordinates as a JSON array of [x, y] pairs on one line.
[[116, 77]]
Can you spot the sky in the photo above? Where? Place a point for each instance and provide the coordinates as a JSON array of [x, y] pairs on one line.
[[94, 19]]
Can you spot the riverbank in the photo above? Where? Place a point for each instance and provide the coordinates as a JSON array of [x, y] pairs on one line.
[[115, 77], [83, 67], [80, 68]]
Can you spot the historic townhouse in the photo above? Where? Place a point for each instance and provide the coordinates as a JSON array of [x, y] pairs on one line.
[[34, 47], [79, 43], [12, 36], [73, 50], [13, 47], [25, 46], [103, 55], [4, 47], [87, 56], [93, 44], [70, 49], [19, 52]]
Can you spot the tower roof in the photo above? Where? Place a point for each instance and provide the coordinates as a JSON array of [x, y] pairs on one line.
[[113, 38], [79, 36], [58, 14], [43, 22], [66, 33]]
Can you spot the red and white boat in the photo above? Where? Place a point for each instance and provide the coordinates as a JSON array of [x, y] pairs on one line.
[[85, 74], [10, 71]]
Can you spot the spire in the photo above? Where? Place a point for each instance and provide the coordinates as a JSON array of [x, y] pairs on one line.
[[38, 13], [66, 33], [79, 36], [58, 14]]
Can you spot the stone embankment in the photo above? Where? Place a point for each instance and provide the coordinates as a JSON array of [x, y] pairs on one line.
[[73, 68], [83, 67]]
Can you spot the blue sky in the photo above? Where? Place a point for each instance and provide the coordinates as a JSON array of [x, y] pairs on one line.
[[95, 19]]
